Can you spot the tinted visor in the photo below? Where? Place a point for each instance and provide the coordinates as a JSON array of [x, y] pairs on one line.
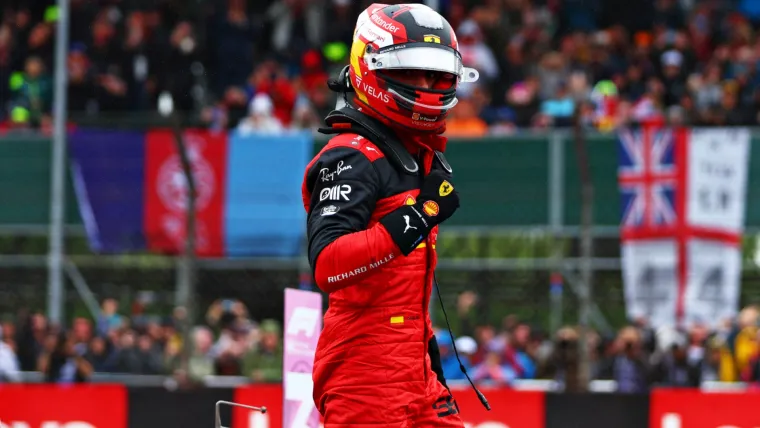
[[421, 56]]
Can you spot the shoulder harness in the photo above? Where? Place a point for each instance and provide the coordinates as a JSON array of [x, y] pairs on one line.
[[348, 119]]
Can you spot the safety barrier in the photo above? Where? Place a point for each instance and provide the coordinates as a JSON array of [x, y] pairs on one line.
[[119, 406], [526, 180]]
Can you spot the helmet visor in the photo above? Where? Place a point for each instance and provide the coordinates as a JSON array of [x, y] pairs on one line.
[[421, 56]]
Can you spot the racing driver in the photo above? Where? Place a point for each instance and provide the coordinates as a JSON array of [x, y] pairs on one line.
[[375, 196]]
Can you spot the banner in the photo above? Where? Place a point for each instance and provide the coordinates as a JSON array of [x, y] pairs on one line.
[[303, 323], [54, 406], [510, 409], [108, 184], [264, 208], [683, 198], [600, 410], [159, 407], [269, 396], [166, 191], [674, 408]]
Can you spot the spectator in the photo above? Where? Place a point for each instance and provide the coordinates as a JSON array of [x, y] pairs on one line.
[[201, 363], [484, 334], [100, 355], [137, 355], [476, 54], [464, 121], [8, 333], [182, 58], [31, 334], [271, 79], [752, 371], [467, 347], [81, 90], [230, 347], [234, 35], [674, 369], [449, 363], [127, 358], [36, 92], [562, 365], [9, 368], [742, 339], [516, 356], [312, 74], [552, 74], [295, 24], [260, 117], [264, 364], [150, 356], [627, 365], [710, 366], [491, 369], [560, 106], [109, 319], [64, 363], [81, 334]]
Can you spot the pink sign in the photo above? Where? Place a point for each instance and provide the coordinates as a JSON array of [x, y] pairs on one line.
[[303, 323]]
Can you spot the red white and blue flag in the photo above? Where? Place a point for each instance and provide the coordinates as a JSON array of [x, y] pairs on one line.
[[682, 212], [648, 181]]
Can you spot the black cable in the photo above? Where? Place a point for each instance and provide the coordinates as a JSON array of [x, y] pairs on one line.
[[453, 343]]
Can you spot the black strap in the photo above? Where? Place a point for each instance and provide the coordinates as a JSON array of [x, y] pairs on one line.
[[480, 395], [371, 129]]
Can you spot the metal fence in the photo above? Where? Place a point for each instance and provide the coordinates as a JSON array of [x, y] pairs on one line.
[[518, 225]]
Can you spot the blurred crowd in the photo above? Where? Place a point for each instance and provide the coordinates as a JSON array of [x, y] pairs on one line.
[[637, 357], [231, 343], [262, 65]]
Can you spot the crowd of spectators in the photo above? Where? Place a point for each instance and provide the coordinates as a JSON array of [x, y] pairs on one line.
[[263, 64], [637, 357], [231, 343]]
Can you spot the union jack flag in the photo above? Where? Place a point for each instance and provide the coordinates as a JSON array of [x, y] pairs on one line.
[[647, 179]]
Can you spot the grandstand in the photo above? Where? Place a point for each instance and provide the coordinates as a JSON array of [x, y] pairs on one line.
[[510, 262]]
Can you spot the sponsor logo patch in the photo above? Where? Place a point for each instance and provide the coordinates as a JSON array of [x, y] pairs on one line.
[[335, 193], [431, 38], [445, 189], [430, 208], [329, 210]]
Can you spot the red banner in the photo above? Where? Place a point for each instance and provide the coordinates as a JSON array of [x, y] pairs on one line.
[[672, 408], [510, 409], [269, 396], [53, 406], [166, 191]]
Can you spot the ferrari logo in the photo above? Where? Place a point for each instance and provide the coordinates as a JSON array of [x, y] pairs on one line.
[[431, 38], [445, 188]]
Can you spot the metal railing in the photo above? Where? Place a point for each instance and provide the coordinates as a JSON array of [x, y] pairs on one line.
[[545, 385]]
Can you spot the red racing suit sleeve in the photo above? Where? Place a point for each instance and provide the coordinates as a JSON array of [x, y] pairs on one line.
[[343, 186]]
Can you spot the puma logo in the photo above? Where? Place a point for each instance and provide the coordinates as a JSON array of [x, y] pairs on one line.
[[408, 226]]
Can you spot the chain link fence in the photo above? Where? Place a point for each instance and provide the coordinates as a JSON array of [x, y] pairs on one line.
[[510, 274]]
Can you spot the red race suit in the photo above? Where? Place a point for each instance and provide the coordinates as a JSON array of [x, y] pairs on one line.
[[373, 365]]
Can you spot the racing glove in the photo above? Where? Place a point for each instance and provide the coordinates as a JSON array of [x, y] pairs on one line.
[[411, 224]]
